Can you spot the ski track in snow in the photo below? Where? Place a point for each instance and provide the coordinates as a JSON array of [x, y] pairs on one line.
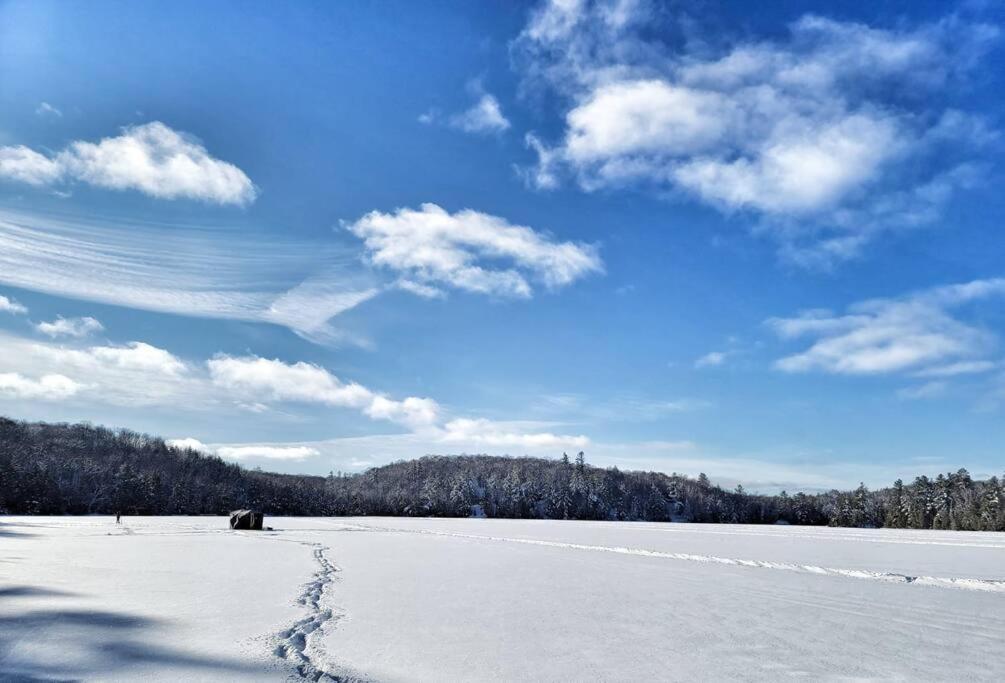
[[960, 583], [294, 645]]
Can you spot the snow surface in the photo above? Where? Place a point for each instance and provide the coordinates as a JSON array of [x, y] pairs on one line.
[[184, 598]]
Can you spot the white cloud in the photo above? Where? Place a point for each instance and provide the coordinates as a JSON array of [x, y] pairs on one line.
[[136, 375], [485, 116], [138, 356], [247, 451], [481, 433], [46, 109], [431, 247], [267, 452], [274, 380], [712, 359], [912, 333], [28, 166], [830, 135], [280, 381], [152, 158], [189, 443], [51, 387], [262, 378], [797, 171], [644, 117], [139, 375], [70, 327], [11, 306]]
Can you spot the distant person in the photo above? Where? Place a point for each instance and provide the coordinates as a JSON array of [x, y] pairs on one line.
[[118, 517]]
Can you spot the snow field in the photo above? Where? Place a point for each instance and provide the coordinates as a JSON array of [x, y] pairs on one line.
[[478, 599]]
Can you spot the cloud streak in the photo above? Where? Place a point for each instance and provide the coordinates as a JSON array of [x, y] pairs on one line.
[[186, 271]]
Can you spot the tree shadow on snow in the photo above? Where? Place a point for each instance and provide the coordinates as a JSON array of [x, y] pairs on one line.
[[63, 645], [7, 530]]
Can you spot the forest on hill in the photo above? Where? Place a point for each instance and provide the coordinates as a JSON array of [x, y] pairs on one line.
[[53, 469]]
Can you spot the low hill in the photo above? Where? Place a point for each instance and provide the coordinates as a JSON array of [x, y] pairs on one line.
[[83, 469]]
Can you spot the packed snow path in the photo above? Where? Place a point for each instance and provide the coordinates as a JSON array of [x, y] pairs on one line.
[[421, 599]]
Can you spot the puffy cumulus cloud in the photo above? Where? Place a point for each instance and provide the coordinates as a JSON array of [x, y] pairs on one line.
[[152, 158], [25, 165], [279, 381], [133, 375], [53, 387], [431, 247], [480, 433], [484, 116], [829, 135], [70, 327], [913, 333], [139, 375], [11, 306], [307, 383], [137, 356], [134, 356]]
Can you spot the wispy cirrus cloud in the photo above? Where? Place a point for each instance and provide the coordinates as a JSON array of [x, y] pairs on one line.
[[711, 359], [476, 252], [928, 390], [184, 270], [46, 109], [621, 408], [829, 135], [916, 333], [152, 158]]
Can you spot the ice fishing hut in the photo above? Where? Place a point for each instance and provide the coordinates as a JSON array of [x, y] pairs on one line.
[[247, 519]]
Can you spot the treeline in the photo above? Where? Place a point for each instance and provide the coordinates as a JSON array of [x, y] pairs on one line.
[[81, 469]]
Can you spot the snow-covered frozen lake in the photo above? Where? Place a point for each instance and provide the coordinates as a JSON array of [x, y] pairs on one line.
[[184, 598]]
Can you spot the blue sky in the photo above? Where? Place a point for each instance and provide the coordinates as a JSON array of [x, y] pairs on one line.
[[681, 236]]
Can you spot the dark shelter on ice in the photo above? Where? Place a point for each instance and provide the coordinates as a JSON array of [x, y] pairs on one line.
[[246, 519]]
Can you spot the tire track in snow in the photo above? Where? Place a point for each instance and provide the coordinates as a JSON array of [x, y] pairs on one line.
[[294, 645], [985, 585]]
